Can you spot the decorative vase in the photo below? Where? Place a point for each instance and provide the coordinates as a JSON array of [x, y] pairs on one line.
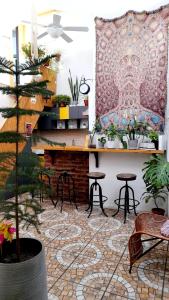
[[26, 279]]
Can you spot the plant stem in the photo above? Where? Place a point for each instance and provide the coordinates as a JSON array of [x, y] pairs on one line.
[[16, 169]]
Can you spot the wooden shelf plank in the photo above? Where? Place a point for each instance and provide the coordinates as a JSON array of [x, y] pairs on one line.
[[103, 150]]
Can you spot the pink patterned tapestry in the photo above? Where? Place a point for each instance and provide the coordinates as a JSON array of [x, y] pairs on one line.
[[131, 68]]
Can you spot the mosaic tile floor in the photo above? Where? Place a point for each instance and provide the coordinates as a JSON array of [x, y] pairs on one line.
[[87, 259]]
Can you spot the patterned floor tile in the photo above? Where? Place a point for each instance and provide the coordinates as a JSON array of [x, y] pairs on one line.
[[166, 286], [140, 284], [87, 267], [154, 260], [87, 258], [106, 252], [66, 290], [54, 268]]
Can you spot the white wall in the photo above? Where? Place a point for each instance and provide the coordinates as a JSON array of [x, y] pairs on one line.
[[80, 58]]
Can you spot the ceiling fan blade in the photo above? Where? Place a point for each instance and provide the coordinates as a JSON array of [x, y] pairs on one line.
[[66, 37], [76, 28], [42, 35], [56, 20]]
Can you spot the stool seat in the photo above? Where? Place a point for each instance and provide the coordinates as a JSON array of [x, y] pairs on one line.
[[96, 175], [126, 176]]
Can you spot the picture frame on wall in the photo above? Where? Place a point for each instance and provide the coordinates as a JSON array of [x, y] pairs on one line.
[[72, 124], [28, 129], [61, 124], [84, 123]]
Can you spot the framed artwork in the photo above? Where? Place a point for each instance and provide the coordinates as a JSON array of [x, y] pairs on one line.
[[131, 68], [84, 123], [61, 124], [72, 124], [28, 129]]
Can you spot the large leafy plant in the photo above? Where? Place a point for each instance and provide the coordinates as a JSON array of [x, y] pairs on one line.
[[156, 178], [13, 166]]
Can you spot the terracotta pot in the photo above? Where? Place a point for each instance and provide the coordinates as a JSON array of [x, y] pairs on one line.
[[158, 211]]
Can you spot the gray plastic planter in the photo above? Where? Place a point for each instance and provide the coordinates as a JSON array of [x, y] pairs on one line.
[[25, 280]]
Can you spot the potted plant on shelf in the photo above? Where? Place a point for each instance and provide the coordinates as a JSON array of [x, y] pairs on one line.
[[22, 263], [74, 88], [153, 136], [61, 100], [111, 133], [96, 130], [156, 178], [134, 131], [27, 50], [101, 142]]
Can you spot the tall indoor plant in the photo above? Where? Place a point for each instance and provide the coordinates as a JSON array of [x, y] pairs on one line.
[[24, 273], [156, 178]]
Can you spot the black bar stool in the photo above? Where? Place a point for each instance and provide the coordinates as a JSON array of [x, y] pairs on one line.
[[65, 189], [126, 205], [94, 187]]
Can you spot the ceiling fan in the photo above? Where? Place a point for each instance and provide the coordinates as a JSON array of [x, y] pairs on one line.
[[56, 30]]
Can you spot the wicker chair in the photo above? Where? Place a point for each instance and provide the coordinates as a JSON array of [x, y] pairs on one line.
[[149, 224]]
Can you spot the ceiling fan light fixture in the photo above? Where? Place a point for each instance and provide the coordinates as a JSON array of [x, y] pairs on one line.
[[55, 32]]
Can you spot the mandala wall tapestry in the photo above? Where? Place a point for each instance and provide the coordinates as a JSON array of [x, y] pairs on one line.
[[131, 68]]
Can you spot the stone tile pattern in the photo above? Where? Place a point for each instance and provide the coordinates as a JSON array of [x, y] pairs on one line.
[[87, 259]]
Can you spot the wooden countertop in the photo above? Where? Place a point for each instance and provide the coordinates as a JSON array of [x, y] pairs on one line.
[[103, 150]]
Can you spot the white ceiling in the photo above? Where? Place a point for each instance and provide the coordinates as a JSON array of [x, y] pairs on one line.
[[12, 12]]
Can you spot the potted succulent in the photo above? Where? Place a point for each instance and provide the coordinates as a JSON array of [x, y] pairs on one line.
[[22, 262], [156, 178], [61, 100]]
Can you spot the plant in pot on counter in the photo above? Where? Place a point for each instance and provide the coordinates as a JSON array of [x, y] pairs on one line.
[[97, 129], [102, 141], [153, 136], [22, 261], [61, 100], [135, 129], [156, 178], [111, 133]]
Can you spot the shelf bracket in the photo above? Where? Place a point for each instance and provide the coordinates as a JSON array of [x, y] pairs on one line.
[[96, 155]]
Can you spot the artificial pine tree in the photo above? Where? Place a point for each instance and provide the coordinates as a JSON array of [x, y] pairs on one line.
[[20, 165]]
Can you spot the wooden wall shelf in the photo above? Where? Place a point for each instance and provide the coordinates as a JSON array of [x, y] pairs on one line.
[[103, 150], [95, 151]]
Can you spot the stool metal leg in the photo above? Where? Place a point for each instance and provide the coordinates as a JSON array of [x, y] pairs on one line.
[[134, 205], [118, 207], [126, 204], [101, 200], [91, 199]]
